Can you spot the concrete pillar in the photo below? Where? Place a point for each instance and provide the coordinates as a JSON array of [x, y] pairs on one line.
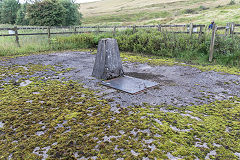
[[108, 63]]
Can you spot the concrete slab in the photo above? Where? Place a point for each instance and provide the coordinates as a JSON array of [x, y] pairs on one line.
[[129, 84]]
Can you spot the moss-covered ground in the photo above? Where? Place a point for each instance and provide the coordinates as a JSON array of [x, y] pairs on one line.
[[53, 119]]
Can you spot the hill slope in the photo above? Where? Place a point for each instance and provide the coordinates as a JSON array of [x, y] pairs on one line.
[[126, 12]]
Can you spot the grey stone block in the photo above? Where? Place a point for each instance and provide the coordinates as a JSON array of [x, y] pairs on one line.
[[108, 63]]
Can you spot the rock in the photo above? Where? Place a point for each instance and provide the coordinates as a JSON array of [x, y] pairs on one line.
[[55, 77], [108, 63]]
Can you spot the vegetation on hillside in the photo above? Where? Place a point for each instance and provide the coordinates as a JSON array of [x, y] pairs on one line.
[[151, 12]]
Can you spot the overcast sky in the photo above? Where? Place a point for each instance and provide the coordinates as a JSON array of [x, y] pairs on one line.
[[77, 1], [84, 1]]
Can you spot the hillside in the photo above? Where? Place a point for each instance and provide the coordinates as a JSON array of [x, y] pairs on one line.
[[125, 12]]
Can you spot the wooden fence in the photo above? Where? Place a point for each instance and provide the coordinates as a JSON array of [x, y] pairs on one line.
[[229, 29], [189, 29]]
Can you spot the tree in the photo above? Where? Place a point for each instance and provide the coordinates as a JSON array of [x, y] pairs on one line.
[[72, 14], [46, 13], [8, 11], [21, 15], [0, 11], [53, 13], [40, 12]]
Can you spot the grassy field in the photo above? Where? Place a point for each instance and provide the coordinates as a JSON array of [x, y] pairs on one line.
[[125, 12], [29, 44]]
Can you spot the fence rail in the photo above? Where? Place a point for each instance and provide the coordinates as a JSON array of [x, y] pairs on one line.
[[79, 29], [191, 29]]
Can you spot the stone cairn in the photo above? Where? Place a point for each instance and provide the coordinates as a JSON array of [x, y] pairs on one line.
[[108, 64]]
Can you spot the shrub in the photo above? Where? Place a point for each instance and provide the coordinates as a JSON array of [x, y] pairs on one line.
[[86, 40], [219, 6], [180, 46], [203, 8], [232, 2], [189, 11]]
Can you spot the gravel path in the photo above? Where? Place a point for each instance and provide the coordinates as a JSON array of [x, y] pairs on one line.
[[178, 85]]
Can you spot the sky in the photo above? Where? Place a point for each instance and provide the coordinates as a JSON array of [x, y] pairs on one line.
[[85, 1], [77, 1]]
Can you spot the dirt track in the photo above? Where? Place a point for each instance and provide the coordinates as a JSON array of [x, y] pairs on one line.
[[178, 85]]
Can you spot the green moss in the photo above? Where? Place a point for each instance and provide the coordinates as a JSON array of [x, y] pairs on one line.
[[17, 70], [147, 59], [78, 121]]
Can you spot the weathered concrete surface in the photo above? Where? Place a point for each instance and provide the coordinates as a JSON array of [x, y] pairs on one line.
[[178, 85], [108, 63]]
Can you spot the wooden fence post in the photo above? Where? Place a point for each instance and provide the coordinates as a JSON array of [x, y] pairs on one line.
[[232, 29], [191, 29], [134, 28], [98, 29], [16, 34], [227, 29], [200, 32], [214, 29], [114, 30], [160, 28], [49, 32], [75, 29]]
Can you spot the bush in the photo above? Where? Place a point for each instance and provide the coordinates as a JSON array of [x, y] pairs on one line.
[[147, 42], [203, 8], [232, 2], [189, 11], [219, 6], [86, 40], [168, 45]]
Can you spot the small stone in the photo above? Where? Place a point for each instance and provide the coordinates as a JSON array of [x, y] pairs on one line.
[[55, 77], [25, 83]]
